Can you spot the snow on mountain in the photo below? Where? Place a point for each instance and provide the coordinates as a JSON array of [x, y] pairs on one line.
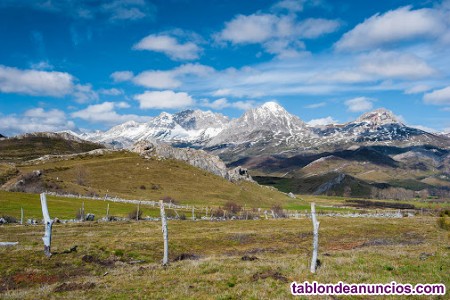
[[191, 127], [267, 129]]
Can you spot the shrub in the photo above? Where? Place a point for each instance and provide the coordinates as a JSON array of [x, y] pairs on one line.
[[232, 207], [168, 199], [142, 187], [278, 210], [444, 223]]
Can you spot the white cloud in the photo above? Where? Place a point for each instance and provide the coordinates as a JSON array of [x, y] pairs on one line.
[[157, 79], [255, 28], [172, 78], [164, 99], [170, 46], [438, 97], [417, 89], [120, 76], [289, 5], [117, 10], [35, 120], [314, 28], [322, 121], [278, 34], [111, 92], [84, 93], [395, 65], [224, 103], [105, 113], [35, 83], [400, 25], [316, 105], [359, 104], [42, 65]]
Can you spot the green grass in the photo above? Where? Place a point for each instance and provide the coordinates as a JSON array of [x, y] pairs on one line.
[[127, 175], [408, 250], [62, 207]]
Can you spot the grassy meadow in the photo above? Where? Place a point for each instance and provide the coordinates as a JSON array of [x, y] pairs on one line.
[[122, 260]]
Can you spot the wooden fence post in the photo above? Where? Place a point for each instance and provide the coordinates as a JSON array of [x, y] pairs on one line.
[[165, 234], [193, 214], [21, 216], [47, 238], [137, 212], [315, 238], [107, 212]]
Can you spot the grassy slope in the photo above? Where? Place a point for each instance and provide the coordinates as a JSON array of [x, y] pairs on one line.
[[408, 250], [125, 174], [16, 150]]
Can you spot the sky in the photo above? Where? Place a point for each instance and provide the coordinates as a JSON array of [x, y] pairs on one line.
[[90, 65]]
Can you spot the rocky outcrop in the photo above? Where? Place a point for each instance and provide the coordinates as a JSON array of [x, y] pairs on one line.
[[196, 158], [329, 184]]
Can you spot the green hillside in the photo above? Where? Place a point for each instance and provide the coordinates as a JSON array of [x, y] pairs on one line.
[[127, 175]]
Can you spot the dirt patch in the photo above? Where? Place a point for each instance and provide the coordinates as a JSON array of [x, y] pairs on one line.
[[96, 260], [344, 246], [30, 278], [186, 256], [270, 274], [73, 286]]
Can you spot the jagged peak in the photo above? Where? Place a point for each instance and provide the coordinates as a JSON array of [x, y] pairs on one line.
[[380, 116], [272, 106]]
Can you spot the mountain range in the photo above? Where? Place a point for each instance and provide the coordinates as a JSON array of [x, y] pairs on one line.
[[268, 129], [373, 154]]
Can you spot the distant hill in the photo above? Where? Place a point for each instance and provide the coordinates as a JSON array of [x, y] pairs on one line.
[[34, 145]]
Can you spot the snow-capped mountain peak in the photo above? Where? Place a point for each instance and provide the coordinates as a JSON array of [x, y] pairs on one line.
[[379, 117]]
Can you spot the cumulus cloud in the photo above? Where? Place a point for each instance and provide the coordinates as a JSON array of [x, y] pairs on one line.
[[278, 34], [168, 79], [35, 82], [106, 113], [121, 76], [438, 97], [170, 46], [322, 121], [400, 25], [35, 120], [359, 104], [164, 99], [224, 103]]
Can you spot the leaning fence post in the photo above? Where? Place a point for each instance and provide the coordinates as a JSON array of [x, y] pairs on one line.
[[315, 238], [165, 234], [47, 238]]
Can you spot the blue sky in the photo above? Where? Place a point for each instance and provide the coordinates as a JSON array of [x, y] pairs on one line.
[[94, 64]]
